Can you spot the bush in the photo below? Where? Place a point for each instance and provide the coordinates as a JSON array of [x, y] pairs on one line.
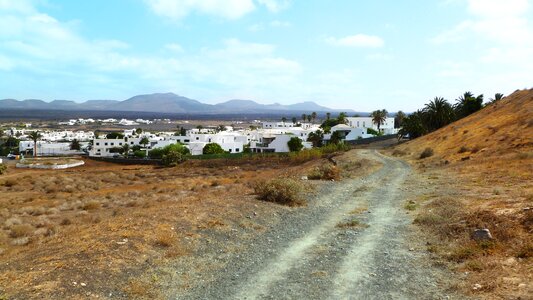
[[158, 153], [172, 158], [426, 153], [139, 154], [295, 144], [282, 191], [463, 149], [21, 230], [372, 131], [327, 172], [3, 169], [212, 148]]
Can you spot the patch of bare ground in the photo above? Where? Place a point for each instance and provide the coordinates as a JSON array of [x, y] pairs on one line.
[[113, 231], [481, 172]]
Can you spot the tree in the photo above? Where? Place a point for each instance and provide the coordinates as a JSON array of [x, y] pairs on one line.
[[398, 119], [342, 118], [75, 145], [412, 126], [138, 131], [437, 113], [115, 135], [379, 117], [35, 136], [96, 134], [316, 138], [309, 118], [467, 104], [199, 127], [212, 148], [295, 144], [304, 117], [126, 149], [283, 119], [144, 141], [313, 116], [497, 97], [294, 120], [221, 128], [172, 158], [181, 131], [328, 115], [335, 137]]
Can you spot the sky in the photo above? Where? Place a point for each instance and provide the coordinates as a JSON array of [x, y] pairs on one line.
[[344, 54]]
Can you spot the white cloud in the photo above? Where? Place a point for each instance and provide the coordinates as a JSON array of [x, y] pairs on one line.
[[358, 40], [494, 20], [174, 47], [275, 5], [178, 9]]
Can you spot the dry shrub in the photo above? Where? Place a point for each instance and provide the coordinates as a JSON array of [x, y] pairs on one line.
[[21, 230], [10, 182], [282, 191], [305, 155], [91, 205], [426, 153], [11, 222], [65, 221], [398, 152], [525, 251], [137, 289], [165, 236], [463, 149], [326, 172]]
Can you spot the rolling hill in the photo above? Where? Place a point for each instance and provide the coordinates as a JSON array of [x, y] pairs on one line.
[[166, 103]]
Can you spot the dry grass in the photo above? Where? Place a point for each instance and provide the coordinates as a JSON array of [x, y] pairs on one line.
[[483, 169], [325, 172], [282, 191], [119, 221]]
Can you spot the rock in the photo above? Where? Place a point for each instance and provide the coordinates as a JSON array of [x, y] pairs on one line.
[[20, 241], [83, 284], [477, 286], [481, 235], [304, 178]]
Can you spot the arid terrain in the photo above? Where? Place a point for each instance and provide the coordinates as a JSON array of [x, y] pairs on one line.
[[389, 225], [481, 170]]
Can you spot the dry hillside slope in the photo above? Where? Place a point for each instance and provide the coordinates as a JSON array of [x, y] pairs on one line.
[[482, 173]]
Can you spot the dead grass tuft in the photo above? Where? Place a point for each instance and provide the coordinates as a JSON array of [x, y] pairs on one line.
[[426, 153], [21, 230], [326, 172], [282, 191], [91, 205]]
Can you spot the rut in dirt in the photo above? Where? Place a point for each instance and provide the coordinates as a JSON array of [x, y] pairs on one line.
[[353, 244]]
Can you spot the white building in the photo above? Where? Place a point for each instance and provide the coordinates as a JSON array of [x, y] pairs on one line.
[[50, 148], [366, 122]]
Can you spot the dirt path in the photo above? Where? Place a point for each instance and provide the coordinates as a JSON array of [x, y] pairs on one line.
[[354, 241]]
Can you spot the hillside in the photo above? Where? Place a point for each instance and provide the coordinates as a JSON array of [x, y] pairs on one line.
[[482, 174]]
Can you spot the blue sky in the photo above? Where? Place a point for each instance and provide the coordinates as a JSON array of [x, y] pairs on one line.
[[361, 55]]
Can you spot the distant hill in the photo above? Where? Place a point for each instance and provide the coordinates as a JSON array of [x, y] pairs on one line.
[[167, 103]]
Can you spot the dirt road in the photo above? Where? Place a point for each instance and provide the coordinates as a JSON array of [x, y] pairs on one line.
[[353, 241]]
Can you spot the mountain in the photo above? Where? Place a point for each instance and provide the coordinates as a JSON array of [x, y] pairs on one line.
[[166, 103]]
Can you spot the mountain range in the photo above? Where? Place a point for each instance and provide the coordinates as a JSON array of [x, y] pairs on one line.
[[165, 103]]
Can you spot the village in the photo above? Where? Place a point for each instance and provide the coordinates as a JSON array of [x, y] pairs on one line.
[[266, 137]]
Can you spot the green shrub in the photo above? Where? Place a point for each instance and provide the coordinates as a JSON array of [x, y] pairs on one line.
[[3, 169], [295, 144], [426, 153], [212, 148], [282, 191], [139, 153], [158, 153], [172, 158], [372, 131]]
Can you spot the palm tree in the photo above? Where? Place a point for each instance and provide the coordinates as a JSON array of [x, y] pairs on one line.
[[379, 117], [313, 116], [497, 97], [468, 104], [283, 119], [309, 118], [144, 141], [126, 149], [304, 117], [342, 118], [75, 145], [438, 113], [294, 120], [328, 115], [35, 136], [398, 119]]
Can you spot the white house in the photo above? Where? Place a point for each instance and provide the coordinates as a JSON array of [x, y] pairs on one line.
[[50, 148], [366, 122]]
